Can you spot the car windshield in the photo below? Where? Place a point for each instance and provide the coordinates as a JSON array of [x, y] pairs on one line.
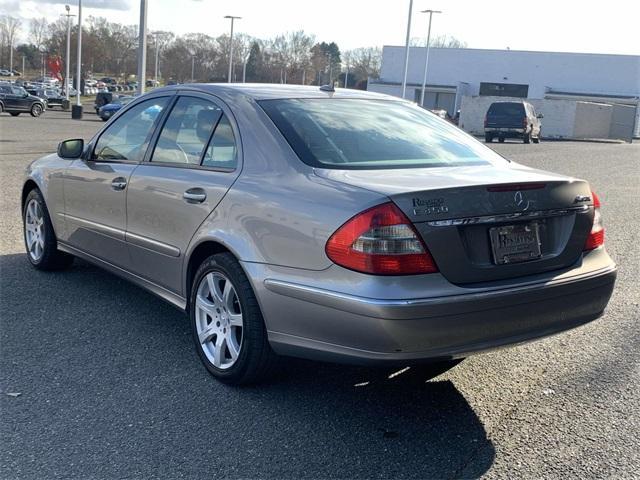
[[19, 91], [372, 134]]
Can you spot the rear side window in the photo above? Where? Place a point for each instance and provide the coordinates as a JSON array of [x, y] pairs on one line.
[[221, 152], [372, 134], [187, 131], [506, 109], [197, 132]]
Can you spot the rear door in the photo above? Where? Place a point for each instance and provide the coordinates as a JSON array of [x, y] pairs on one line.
[[95, 188], [195, 160]]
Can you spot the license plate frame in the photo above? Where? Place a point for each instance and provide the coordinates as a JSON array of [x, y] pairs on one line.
[[515, 243]]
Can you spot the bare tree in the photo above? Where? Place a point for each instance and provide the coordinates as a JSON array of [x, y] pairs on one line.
[[365, 62], [9, 29], [38, 31], [439, 41]]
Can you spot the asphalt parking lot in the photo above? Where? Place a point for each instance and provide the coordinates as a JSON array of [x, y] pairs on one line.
[[110, 386]]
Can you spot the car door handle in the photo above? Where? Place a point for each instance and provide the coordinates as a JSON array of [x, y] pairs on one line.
[[195, 195], [119, 183]]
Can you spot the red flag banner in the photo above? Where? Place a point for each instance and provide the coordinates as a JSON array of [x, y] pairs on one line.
[[55, 66]]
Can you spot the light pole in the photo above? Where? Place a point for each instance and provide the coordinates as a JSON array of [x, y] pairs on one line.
[[23, 74], [426, 61], [76, 111], [68, 59], [142, 47], [328, 55], [346, 77], [155, 37], [231, 45], [193, 67], [11, 55], [406, 50]]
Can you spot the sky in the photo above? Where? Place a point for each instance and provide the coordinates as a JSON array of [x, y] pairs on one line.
[[547, 25]]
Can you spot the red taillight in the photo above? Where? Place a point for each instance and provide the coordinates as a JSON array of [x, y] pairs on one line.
[[485, 122], [596, 235], [525, 122], [381, 241]]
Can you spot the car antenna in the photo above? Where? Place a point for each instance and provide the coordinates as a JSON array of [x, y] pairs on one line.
[[327, 88]]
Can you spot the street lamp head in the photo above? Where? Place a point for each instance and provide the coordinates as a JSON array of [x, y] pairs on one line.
[[231, 16], [431, 11]]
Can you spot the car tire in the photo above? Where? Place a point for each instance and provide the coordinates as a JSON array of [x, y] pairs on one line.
[[537, 139], [526, 138], [226, 322], [15, 114], [39, 237], [36, 110], [501, 139], [488, 138], [1, 108]]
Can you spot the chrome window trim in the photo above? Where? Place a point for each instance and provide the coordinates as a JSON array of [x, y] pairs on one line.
[[505, 217]]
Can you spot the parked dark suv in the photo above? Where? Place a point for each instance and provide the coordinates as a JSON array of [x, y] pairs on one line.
[[16, 100], [512, 120]]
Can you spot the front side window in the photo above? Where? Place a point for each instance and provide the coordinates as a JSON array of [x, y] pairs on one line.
[[187, 131], [372, 134], [128, 137]]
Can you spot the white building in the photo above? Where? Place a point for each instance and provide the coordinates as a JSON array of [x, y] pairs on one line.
[[457, 72]]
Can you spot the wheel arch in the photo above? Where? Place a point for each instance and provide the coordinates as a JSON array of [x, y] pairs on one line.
[[199, 254], [29, 185]]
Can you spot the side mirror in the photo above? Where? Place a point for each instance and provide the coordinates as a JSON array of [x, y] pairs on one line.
[[540, 115], [25, 94], [71, 148]]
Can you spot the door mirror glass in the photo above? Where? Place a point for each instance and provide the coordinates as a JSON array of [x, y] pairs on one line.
[[71, 148], [540, 115]]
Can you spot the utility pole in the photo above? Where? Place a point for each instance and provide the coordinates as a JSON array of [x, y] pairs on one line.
[[426, 61], [23, 72], [155, 76], [406, 50], [193, 67], [231, 45], [346, 77], [67, 63], [76, 111], [142, 47]]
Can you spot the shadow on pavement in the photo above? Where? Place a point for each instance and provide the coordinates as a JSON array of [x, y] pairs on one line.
[[110, 386]]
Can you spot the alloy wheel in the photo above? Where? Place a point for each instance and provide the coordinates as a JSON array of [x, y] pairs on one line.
[[34, 230], [219, 320]]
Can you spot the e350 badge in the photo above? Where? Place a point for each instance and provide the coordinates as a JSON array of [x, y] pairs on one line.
[[431, 206]]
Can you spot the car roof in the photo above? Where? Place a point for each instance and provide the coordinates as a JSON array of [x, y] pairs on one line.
[[265, 91]]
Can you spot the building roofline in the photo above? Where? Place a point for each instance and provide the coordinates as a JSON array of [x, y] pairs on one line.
[[519, 51]]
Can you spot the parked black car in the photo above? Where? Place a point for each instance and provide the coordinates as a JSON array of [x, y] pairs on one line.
[[53, 97], [512, 120], [103, 98], [16, 100]]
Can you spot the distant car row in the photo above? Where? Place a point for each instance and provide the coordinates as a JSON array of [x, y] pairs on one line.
[[5, 72]]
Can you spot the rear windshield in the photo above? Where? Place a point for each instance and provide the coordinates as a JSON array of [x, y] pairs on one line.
[[372, 134], [508, 109]]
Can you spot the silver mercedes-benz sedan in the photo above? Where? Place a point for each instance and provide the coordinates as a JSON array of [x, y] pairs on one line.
[[335, 225]]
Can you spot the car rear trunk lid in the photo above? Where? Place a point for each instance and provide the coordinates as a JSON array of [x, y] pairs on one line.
[[466, 216]]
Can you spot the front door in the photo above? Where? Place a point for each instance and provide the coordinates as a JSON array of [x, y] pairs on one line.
[[193, 164], [96, 186]]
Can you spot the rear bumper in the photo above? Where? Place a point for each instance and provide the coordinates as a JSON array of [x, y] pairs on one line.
[[505, 132], [352, 329]]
